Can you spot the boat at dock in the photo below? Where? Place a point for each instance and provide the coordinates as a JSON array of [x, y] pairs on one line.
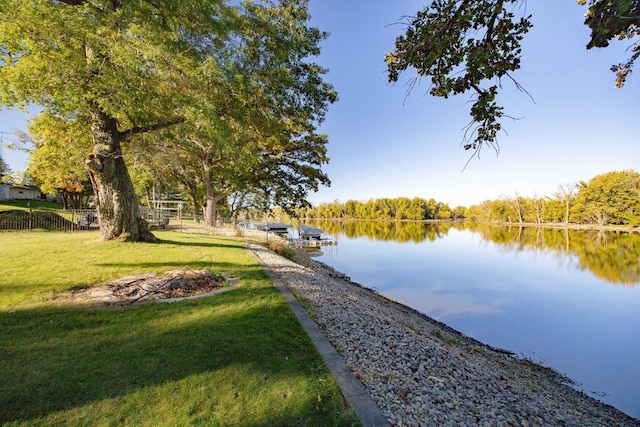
[[311, 237], [308, 232], [274, 227]]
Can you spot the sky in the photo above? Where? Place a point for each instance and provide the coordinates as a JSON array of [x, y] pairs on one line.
[[383, 143]]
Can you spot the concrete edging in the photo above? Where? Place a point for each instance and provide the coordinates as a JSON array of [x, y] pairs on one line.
[[354, 392]]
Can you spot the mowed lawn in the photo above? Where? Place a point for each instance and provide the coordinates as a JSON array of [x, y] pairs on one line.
[[235, 359]]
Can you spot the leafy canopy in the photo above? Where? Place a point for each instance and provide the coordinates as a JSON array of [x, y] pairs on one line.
[[472, 45], [254, 125], [236, 76], [614, 19]]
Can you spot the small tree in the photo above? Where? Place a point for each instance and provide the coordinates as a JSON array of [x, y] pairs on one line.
[[566, 195]]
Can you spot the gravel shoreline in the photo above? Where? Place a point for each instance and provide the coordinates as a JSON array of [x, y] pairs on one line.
[[421, 372]]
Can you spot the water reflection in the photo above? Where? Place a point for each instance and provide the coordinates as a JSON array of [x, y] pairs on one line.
[[403, 232], [540, 292], [611, 256]]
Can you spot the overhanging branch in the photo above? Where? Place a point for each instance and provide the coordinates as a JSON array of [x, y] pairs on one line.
[[143, 129], [72, 2]]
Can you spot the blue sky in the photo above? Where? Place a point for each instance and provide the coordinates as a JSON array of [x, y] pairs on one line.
[[384, 144]]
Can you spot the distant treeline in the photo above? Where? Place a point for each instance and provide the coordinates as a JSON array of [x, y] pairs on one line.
[[612, 198], [610, 256]]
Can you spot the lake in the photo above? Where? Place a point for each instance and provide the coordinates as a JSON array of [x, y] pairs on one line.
[[565, 299]]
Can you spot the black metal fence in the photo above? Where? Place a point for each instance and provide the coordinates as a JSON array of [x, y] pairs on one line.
[[51, 220], [87, 219]]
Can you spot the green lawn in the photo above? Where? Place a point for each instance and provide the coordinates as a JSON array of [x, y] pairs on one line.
[[29, 204], [234, 359]]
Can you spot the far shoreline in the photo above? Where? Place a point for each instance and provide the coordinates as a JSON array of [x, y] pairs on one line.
[[567, 226]]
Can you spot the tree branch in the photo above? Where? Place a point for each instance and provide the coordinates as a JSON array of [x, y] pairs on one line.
[[490, 25], [72, 2], [143, 129]]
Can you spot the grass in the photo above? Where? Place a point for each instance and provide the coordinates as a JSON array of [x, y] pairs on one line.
[[235, 359], [28, 204]]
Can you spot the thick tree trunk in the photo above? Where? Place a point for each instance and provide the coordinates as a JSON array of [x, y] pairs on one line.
[[211, 205], [211, 208], [116, 201], [210, 211], [196, 208], [212, 198]]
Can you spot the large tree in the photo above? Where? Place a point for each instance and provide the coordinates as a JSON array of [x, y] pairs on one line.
[[472, 45], [122, 65], [230, 86], [610, 198], [254, 128], [292, 103]]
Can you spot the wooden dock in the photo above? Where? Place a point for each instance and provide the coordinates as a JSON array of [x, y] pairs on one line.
[[312, 243]]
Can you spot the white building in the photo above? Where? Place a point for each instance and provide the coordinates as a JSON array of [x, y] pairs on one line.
[[19, 192]]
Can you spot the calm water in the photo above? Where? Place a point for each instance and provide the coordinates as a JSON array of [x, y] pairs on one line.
[[569, 300]]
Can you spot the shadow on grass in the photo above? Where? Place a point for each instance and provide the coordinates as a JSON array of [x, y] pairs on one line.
[[58, 359], [200, 244], [211, 263]]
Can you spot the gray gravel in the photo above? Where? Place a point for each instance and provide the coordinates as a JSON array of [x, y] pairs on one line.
[[421, 372]]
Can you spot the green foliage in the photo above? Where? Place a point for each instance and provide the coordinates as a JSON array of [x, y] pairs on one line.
[[123, 56], [116, 68], [57, 160], [237, 76], [462, 46], [18, 178], [402, 208], [472, 45], [611, 198], [610, 256], [617, 19]]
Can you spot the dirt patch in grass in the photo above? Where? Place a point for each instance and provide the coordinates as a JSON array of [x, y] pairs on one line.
[[171, 286]]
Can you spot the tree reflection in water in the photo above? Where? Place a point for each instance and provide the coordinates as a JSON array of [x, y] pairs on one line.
[[611, 256]]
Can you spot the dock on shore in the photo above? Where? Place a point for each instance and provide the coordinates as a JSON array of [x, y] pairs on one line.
[[312, 243]]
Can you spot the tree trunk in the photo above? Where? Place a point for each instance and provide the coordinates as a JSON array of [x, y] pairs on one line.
[[65, 205], [211, 205], [212, 197], [116, 201], [195, 207], [210, 211], [147, 194]]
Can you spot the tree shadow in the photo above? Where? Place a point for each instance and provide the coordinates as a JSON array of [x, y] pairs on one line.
[[199, 244], [56, 359], [181, 264]]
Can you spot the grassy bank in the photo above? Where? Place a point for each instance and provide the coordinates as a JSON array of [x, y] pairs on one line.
[[238, 358]]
